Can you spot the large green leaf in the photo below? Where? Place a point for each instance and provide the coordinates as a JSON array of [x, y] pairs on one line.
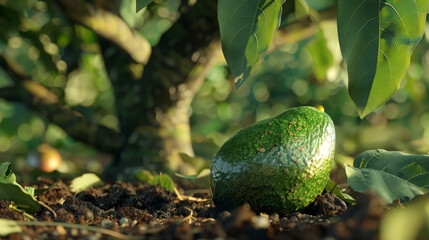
[[320, 4], [10, 190], [247, 28], [413, 168], [391, 175], [389, 187], [377, 39]]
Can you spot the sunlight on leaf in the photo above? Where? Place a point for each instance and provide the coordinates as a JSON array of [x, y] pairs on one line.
[[8, 227], [322, 58], [144, 175], [377, 39], [247, 28], [411, 222], [84, 182]]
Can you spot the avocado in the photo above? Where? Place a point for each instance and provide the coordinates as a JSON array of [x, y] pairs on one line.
[[277, 165]]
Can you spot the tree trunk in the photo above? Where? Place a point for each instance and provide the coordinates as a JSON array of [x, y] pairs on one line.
[[154, 110]]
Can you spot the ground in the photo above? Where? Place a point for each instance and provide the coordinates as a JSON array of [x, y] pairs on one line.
[[139, 209]]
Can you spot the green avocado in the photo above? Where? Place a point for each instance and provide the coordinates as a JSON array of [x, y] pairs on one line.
[[278, 165]]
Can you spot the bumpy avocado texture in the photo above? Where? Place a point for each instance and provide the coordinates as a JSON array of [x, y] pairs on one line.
[[278, 165]]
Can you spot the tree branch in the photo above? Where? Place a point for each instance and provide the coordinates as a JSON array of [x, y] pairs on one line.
[[108, 26], [39, 98], [301, 29]]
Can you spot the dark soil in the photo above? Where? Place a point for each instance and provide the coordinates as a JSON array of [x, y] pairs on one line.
[[145, 211]]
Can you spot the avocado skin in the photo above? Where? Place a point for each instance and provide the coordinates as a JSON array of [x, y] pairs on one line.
[[278, 165]]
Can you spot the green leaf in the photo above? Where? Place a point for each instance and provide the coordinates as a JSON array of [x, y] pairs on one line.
[[164, 181], [247, 28], [84, 182], [301, 8], [30, 190], [140, 4], [377, 39], [321, 56], [204, 173], [144, 175], [156, 25], [406, 223], [413, 168], [320, 4], [333, 188], [23, 199], [10, 190], [198, 163], [128, 11], [9, 226], [389, 187], [6, 174]]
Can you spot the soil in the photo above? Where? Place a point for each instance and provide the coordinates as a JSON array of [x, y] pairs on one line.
[[143, 211]]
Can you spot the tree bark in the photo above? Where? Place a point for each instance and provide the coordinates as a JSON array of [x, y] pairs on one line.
[[156, 122]]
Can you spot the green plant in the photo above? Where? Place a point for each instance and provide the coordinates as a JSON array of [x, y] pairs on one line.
[[376, 39], [163, 180], [10, 190], [391, 175]]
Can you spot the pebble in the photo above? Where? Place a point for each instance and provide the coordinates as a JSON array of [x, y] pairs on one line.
[[74, 232], [143, 228], [134, 223], [89, 215], [224, 214], [93, 237], [84, 232], [26, 237], [106, 223], [293, 219], [260, 222], [328, 238], [61, 230], [124, 221]]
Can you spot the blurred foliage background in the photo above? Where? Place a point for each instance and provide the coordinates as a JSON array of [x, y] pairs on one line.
[[307, 72]]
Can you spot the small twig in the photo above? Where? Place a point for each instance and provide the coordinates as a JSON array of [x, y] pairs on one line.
[[194, 199], [22, 211], [49, 208], [178, 194], [189, 217], [77, 226]]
